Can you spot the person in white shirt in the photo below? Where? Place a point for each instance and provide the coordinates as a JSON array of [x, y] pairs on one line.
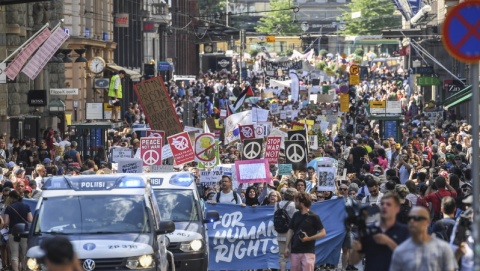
[[226, 193]]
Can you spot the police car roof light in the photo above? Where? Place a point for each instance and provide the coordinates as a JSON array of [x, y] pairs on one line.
[[93, 183], [182, 179]]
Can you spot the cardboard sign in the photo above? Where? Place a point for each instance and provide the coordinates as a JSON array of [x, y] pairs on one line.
[[272, 149], [182, 148], [259, 114], [252, 171], [157, 106], [151, 150]]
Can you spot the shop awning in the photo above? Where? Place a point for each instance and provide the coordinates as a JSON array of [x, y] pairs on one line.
[[458, 97], [131, 73], [464, 99]]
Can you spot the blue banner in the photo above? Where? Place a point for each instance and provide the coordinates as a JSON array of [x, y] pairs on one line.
[[247, 233]]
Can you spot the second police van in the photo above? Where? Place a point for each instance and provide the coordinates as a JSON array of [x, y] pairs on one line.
[[113, 222], [179, 201]]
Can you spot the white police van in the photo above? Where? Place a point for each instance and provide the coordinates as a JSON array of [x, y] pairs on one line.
[[113, 222], [179, 201]]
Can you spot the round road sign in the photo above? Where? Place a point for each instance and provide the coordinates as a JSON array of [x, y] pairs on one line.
[[461, 31], [354, 69]]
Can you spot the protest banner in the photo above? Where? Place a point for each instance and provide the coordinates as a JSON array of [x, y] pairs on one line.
[[272, 149], [205, 147], [279, 133], [157, 106], [214, 162], [246, 233], [129, 165], [274, 109], [252, 171], [313, 142], [119, 153], [296, 154], [182, 149]]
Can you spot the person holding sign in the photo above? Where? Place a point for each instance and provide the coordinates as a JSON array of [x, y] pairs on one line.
[[115, 93], [305, 227]]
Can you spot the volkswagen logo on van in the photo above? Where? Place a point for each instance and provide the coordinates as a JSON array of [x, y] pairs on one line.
[[88, 265], [223, 63]]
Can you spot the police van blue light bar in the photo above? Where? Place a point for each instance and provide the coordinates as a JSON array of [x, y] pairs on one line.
[[93, 182], [182, 179]]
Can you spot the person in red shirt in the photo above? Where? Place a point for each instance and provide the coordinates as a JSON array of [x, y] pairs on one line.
[[443, 190]]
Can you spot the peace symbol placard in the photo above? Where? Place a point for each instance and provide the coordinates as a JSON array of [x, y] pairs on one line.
[[151, 150], [300, 135], [181, 148], [296, 154], [252, 149]]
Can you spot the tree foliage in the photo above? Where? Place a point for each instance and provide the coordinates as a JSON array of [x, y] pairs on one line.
[[375, 16], [279, 20]]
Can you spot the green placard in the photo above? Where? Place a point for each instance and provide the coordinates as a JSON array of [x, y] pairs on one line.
[[284, 169]]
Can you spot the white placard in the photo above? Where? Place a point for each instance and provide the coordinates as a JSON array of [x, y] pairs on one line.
[[121, 153], [283, 114], [326, 178], [274, 109], [129, 165], [161, 168], [94, 111], [166, 152], [259, 115], [252, 172], [210, 178], [313, 142]]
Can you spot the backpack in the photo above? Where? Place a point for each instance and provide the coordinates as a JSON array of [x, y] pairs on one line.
[[235, 197], [281, 219], [422, 202], [444, 230], [405, 208]]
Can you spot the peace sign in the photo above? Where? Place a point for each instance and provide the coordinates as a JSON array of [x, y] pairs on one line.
[[295, 153], [298, 137], [151, 157], [252, 150]]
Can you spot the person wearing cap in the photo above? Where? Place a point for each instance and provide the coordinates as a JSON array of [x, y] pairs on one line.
[[59, 254]]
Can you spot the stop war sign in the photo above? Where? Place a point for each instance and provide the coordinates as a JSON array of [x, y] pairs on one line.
[[272, 149]]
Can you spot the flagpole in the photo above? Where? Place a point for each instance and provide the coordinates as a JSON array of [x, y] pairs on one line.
[[30, 39]]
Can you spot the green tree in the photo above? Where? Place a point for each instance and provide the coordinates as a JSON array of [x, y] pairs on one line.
[[375, 17], [279, 20]]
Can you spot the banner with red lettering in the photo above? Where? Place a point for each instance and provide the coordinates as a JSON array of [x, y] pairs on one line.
[[272, 149]]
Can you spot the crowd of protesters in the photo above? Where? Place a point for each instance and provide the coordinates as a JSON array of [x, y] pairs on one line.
[[429, 166]]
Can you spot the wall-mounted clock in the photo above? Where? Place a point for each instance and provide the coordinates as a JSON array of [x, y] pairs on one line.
[[208, 48], [96, 64]]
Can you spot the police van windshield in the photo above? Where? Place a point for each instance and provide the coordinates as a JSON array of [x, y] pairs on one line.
[[93, 214], [177, 205]]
